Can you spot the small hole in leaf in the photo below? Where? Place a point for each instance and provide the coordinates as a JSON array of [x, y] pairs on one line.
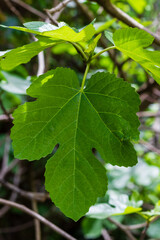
[[97, 155], [94, 151], [53, 152]]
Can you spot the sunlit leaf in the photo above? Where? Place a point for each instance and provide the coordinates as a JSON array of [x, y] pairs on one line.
[[131, 41]]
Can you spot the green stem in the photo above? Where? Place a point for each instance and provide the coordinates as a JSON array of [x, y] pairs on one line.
[[104, 50], [85, 75], [80, 50]]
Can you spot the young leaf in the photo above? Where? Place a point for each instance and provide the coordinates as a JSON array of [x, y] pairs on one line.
[[109, 36], [101, 116], [101, 27], [132, 41], [92, 45], [68, 34]]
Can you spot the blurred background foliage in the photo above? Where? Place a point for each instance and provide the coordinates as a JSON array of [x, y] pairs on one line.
[[134, 193]]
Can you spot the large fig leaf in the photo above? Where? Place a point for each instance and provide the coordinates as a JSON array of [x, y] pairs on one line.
[[101, 116]]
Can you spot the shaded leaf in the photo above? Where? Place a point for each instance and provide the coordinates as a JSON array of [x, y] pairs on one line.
[[101, 116]]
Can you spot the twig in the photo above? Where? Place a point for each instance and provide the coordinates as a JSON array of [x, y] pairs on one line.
[[9, 168], [17, 228], [41, 60], [30, 9], [14, 10], [5, 155], [150, 146], [125, 18], [85, 10], [30, 195], [54, 21], [123, 228], [143, 234], [136, 226], [35, 209], [3, 117], [36, 221], [13, 196], [105, 234], [38, 216], [41, 64], [142, 127], [148, 114], [59, 7]]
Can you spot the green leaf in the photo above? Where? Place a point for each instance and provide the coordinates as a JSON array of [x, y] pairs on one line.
[[23, 54], [3, 52], [104, 26], [64, 33], [131, 41], [119, 204], [68, 34], [138, 5], [109, 36], [92, 45], [46, 39], [21, 29], [101, 116]]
